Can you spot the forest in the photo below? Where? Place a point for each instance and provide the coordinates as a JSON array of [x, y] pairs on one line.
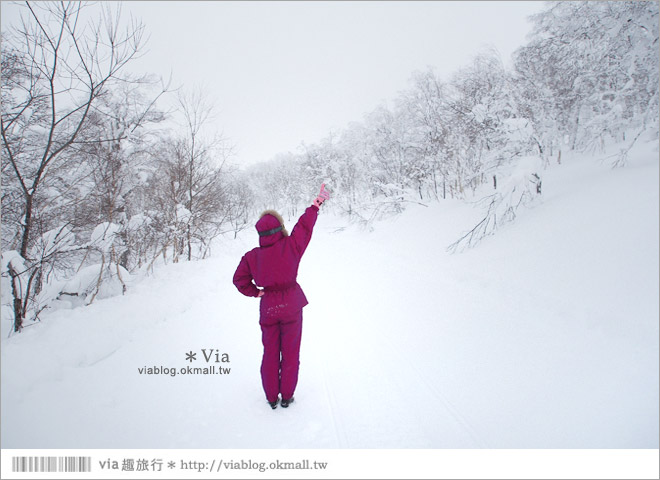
[[96, 187]]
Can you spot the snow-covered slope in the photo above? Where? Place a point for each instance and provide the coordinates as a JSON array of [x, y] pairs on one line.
[[544, 336]]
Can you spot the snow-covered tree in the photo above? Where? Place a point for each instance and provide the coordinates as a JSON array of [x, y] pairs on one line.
[[59, 69], [590, 72]]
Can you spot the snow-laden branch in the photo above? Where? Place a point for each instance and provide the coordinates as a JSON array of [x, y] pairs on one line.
[[519, 189]]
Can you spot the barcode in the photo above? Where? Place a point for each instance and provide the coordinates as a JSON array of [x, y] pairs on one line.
[[51, 464]]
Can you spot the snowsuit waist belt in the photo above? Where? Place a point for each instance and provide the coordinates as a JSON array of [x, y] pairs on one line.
[[280, 288]]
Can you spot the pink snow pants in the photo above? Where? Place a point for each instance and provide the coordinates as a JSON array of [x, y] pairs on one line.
[[279, 366]]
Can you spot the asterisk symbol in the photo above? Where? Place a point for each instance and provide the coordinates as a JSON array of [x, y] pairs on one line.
[[171, 465], [190, 356]]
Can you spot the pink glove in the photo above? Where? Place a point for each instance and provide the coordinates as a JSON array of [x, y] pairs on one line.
[[323, 196]]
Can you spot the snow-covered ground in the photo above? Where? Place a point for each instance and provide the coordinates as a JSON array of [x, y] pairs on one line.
[[544, 336]]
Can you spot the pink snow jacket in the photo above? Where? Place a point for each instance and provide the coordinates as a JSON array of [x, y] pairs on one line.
[[274, 265]]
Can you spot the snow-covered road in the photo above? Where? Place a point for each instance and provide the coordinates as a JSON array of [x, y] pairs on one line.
[[545, 336]]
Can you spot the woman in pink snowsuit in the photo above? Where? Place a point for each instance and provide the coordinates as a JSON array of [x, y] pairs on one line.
[[269, 272]]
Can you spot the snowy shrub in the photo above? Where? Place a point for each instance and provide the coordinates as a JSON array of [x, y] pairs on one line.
[[521, 188], [92, 282]]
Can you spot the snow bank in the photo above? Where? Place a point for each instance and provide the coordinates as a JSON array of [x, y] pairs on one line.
[[104, 235]]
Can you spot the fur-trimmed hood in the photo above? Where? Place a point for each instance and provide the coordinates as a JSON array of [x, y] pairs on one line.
[[270, 220]]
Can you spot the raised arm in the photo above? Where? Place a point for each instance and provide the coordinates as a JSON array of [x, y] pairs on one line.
[[302, 232]]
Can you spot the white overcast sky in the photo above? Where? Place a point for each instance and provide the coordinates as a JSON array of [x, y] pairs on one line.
[[282, 73]]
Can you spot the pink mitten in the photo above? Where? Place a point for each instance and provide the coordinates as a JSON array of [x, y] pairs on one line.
[[323, 196]]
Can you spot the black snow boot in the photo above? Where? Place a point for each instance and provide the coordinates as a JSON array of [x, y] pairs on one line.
[[273, 405], [286, 403]]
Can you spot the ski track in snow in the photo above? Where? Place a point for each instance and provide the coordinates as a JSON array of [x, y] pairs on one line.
[[340, 433], [436, 393]]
